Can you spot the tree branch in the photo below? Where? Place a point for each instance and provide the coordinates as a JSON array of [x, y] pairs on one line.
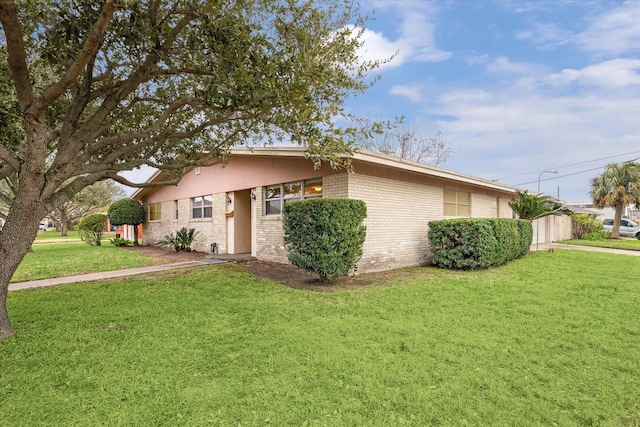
[[17, 56], [89, 49], [8, 157]]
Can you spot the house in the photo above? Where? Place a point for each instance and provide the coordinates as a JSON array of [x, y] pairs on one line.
[[238, 207], [631, 211]]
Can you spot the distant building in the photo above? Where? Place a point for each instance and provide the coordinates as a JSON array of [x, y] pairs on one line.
[[632, 211]]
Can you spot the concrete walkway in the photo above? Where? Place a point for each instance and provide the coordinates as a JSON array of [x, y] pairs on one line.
[[110, 274], [164, 267], [548, 246]]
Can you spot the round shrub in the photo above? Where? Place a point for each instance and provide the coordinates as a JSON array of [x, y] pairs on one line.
[[91, 227], [325, 236], [127, 212]]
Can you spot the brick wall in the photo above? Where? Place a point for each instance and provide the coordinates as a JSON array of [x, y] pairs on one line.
[[210, 230], [398, 214], [269, 244]]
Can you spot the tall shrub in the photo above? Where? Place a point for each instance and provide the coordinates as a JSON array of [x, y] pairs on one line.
[[127, 212], [325, 236], [91, 227]]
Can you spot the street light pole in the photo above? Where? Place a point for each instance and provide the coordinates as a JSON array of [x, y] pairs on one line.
[[538, 219]]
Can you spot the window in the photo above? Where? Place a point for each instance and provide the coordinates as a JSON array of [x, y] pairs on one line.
[[275, 196], [201, 207], [175, 209], [457, 203], [155, 212], [273, 200]]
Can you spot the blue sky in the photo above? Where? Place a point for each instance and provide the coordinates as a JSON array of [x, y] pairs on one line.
[[516, 87]]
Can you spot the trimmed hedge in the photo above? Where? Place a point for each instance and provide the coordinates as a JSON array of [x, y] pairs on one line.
[[476, 243], [324, 236]]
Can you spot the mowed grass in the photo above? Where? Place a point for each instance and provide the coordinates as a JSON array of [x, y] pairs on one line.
[[67, 259], [551, 339], [52, 234], [625, 243]]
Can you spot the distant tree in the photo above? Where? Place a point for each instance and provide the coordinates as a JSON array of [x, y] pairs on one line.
[[127, 212], [409, 144], [532, 207], [90, 200], [618, 186], [91, 228]]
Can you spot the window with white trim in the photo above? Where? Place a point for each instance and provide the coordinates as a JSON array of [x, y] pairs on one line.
[[275, 196], [202, 207], [457, 203]]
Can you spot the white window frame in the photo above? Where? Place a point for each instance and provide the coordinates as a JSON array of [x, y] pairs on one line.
[[283, 197], [204, 208]]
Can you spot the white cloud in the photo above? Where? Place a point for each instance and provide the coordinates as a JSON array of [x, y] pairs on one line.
[[413, 92], [476, 58], [615, 32], [376, 47], [545, 36], [616, 73], [414, 43], [514, 129], [503, 65]]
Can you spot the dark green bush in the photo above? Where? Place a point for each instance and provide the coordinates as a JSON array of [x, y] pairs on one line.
[[325, 236], [91, 227], [472, 244], [127, 212], [596, 235]]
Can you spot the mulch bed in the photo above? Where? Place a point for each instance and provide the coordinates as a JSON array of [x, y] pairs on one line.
[[285, 274]]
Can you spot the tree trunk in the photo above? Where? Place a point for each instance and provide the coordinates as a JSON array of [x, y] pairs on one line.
[[64, 222], [15, 242], [615, 230], [135, 235]]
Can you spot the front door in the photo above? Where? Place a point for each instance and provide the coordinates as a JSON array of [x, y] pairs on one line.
[[239, 222]]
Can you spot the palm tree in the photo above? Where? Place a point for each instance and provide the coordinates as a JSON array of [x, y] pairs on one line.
[[618, 186], [532, 207]]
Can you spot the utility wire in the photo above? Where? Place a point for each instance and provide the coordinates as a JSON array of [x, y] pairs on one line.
[[567, 166], [560, 176]]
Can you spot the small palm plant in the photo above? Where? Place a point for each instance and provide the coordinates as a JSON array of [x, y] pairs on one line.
[[170, 240], [532, 207], [185, 237], [181, 241]]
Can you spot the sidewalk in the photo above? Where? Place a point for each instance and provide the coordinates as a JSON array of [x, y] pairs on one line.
[[110, 274], [548, 246]]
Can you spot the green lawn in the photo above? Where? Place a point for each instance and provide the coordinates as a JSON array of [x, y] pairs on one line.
[[52, 234], [69, 258], [628, 243], [551, 339]]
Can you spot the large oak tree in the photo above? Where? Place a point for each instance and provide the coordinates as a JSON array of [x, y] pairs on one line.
[[92, 88]]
